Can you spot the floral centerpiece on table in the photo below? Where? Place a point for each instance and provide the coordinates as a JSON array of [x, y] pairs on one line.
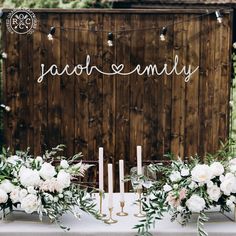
[[191, 187], [39, 185]]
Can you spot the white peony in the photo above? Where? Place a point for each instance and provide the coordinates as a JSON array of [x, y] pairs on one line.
[[228, 185], [167, 188], [214, 193], [195, 203], [185, 172], [217, 168], [13, 159], [15, 195], [3, 196], [201, 173], [175, 176], [7, 186], [63, 179], [30, 203], [47, 171], [64, 164], [29, 177]]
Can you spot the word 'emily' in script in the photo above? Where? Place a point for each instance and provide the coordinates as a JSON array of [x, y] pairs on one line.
[[186, 71]]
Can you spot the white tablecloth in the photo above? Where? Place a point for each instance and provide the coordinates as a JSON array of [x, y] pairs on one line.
[[23, 225]]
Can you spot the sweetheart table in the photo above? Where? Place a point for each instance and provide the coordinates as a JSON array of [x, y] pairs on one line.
[[25, 225]]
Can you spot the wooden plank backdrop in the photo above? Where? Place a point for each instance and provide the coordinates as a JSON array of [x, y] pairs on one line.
[[163, 114]]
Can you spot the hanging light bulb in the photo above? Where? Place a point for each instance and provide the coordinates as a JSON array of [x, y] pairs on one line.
[[219, 16], [51, 33], [163, 33], [6, 108], [110, 38]]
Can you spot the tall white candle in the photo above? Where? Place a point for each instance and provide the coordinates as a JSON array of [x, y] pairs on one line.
[[100, 167], [122, 185], [110, 186], [139, 160]]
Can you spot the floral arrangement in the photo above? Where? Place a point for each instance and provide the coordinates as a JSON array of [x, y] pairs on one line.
[[37, 185], [191, 187]]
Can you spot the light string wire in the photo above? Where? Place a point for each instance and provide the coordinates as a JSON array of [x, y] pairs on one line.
[[142, 29]]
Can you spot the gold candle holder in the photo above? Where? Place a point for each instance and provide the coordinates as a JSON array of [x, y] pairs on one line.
[[110, 220], [122, 213], [140, 214], [101, 215]]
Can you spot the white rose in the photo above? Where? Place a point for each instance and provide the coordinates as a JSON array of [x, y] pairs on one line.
[[13, 159], [217, 168], [30, 203], [47, 171], [175, 176], [214, 193], [195, 203], [201, 173], [29, 177], [64, 164], [185, 172], [15, 195], [7, 186], [3, 196], [228, 185], [167, 188], [63, 179]]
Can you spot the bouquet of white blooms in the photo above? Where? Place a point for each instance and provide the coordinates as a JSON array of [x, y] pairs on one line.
[[191, 187], [39, 185]]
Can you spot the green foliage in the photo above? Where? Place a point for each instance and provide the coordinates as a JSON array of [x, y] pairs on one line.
[[65, 4], [202, 218]]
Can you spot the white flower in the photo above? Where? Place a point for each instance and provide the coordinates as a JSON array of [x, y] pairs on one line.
[[234, 45], [175, 176], [228, 185], [193, 185], [195, 203], [29, 177], [30, 203], [229, 203], [217, 168], [214, 193], [55, 199], [185, 172], [31, 190], [210, 184], [63, 179], [232, 198], [39, 160], [222, 177], [201, 173], [3, 196], [60, 195], [7, 186], [51, 185], [232, 168], [23, 193], [167, 188], [64, 164], [15, 195], [47, 171], [13, 159]]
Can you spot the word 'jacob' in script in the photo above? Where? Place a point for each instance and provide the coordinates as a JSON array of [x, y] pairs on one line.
[[186, 71]]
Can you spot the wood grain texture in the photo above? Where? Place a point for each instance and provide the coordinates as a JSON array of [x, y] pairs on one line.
[[161, 113]]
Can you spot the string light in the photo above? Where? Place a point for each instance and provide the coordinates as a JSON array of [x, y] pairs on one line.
[[110, 38], [51, 33], [163, 33], [219, 16], [6, 108]]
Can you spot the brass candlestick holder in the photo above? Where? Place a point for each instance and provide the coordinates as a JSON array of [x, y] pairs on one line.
[[140, 214], [122, 213], [110, 220], [101, 215]]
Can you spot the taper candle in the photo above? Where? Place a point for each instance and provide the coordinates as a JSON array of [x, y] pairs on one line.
[[110, 186], [139, 160], [122, 184], [100, 164]]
